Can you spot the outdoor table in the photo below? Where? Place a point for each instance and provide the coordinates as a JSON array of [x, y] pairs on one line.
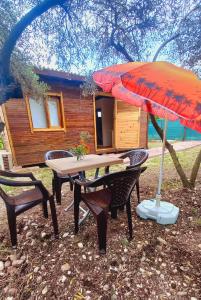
[[70, 165]]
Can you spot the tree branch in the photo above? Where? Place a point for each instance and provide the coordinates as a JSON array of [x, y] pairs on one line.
[[164, 44], [6, 51], [119, 48], [177, 34], [173, 154], [195, 169], [8, 87]]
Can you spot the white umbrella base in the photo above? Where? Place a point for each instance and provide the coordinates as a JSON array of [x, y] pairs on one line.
[[166, 213]]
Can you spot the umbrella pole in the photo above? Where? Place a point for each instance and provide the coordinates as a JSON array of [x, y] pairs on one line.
[[158, 194], [162, 212]]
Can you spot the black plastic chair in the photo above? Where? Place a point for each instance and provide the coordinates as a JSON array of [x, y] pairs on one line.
[[136, 157], [15, 205], [117, 191], [59, 179]]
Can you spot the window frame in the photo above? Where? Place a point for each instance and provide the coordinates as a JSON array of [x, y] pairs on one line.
[[61, 117]]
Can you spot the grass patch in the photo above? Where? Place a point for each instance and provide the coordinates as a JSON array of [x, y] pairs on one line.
[[125, 242], [157, 143], [194, 211], [171, 184], [43, 174], [186, 158], [198, 222]]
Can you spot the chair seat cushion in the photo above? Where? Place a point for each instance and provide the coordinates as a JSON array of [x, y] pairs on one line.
[[26, 197], [101, 198]]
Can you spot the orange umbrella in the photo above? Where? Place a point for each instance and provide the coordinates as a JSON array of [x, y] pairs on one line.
[[120, 92], [172, 88], [106, 78], [109, 79], [162, 89], [159, 88]]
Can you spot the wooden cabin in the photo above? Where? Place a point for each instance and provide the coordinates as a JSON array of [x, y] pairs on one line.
[[55, 122]]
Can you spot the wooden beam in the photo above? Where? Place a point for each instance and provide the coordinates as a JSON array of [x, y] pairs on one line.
[[9, 135], [94, 110], [29, 113]]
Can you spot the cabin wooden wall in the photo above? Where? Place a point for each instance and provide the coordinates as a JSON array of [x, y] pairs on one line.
[[29, 148], [143, 138]]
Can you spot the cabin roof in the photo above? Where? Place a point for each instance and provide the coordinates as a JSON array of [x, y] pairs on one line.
[[60, 75]]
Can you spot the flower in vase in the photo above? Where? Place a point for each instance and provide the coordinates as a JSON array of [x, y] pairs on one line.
[[82, 149]]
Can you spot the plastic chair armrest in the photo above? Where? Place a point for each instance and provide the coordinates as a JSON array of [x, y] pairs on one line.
[[16, 183]]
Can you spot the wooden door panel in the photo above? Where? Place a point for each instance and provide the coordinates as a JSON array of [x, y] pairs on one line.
[[126, 125]]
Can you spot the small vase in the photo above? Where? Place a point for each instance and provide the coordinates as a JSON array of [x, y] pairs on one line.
[[80, 157]]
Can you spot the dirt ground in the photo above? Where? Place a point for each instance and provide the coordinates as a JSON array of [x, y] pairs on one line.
[[161, 262]]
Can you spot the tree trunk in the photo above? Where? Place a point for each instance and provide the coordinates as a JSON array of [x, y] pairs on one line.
[[7, 49], [195, 169], [173, 155]]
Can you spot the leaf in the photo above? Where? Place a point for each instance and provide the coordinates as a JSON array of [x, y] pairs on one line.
[[78, 296]]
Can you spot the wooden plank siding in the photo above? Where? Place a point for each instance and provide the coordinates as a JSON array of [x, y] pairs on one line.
[[128, 126], [30, 147], [143, 133]]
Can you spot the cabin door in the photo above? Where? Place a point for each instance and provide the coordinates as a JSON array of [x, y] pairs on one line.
[[127, 125], [104, 124]]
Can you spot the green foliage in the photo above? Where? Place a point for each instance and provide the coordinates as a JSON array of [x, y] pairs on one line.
[[125, 242], [82, 149], [1, 143], [194, 211], [89, 87], [198, 222], [28, 79]]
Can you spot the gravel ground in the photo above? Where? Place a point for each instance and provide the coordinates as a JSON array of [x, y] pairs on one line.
[[161, 262]]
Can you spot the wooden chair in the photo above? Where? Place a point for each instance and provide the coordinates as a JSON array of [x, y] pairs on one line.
[[117, 191], [59, 179], [136, 157], [15, 205]]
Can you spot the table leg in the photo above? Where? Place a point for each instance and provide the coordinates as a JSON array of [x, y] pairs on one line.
[[84, 211], [69, 206]]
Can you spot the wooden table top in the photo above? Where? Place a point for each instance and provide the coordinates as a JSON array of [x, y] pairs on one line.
[[69, 165]]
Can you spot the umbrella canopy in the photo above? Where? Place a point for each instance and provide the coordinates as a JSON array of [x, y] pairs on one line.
[[119, 91], [172, 88], [106, 78], [159, 88], [162, 89], [109, 79]]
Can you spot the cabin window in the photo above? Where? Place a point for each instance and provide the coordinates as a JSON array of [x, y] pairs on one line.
[[46, 113], [38, 113]]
